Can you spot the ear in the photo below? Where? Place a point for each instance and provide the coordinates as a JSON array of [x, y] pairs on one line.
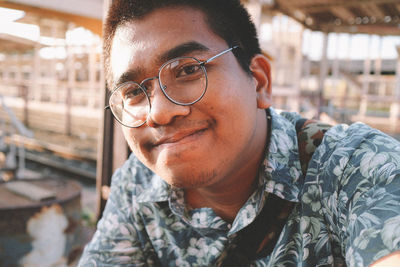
[[261, 70]]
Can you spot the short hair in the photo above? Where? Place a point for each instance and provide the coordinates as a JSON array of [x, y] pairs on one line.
[[226, 18]]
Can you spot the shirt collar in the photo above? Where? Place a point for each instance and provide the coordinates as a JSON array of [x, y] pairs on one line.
[[281, 169], [149, 187]]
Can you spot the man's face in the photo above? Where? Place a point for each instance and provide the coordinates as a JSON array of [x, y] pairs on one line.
[[198, 145]]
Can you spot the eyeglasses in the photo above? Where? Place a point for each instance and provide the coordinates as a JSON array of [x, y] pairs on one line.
[[182, 80]]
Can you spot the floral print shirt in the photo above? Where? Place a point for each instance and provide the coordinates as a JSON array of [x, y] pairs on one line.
[[346, 213]]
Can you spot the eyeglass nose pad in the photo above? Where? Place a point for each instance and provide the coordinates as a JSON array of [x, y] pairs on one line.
[[148, 86]]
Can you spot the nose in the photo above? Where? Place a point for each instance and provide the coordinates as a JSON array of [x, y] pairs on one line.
[[163, 111]]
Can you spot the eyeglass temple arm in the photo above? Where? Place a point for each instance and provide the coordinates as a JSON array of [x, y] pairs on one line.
[[220, 54]]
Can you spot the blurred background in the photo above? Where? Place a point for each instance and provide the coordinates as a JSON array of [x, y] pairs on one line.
[[335, 60]]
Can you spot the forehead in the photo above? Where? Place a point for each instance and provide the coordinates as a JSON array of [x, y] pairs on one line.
[[143, 41]]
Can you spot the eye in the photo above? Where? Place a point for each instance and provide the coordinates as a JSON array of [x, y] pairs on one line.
[[132, 94], [189, 71]]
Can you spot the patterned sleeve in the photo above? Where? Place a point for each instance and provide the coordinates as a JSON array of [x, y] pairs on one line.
[[370, 187], [116, 241]]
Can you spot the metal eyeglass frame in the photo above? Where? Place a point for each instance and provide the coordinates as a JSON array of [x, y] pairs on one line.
[[202, 64]]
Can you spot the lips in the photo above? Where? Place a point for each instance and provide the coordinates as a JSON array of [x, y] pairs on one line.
[[178, 136]]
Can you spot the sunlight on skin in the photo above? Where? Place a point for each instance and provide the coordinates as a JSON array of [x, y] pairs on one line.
[[391, 260]]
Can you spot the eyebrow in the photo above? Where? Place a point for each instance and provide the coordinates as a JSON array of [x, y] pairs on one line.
[[128, 76], [178, 51], [181, 50]]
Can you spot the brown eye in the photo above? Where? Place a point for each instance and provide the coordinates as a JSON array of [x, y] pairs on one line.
[[189, 72], [132, 95]]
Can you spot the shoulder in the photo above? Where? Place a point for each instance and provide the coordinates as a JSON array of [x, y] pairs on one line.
[[366, 163], [351, 142], [353, 181], [354, 159]]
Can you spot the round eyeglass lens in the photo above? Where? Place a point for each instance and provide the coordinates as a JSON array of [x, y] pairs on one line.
[[130, 104], [184, 80]]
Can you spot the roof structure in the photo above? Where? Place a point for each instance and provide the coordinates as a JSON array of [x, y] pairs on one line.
[[380, 17], [86, 13], [14, 44], [84, 8]]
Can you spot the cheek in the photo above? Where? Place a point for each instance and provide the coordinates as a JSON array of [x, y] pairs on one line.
[[232, 86], [130, 138], [235, 99]]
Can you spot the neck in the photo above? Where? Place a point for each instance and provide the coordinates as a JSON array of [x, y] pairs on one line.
[[227, 196], [226, 201]]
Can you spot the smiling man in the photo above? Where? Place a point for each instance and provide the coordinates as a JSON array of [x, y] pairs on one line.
[[216, 176]]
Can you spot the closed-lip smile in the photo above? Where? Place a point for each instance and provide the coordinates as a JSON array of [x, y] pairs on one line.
[[178, 136]]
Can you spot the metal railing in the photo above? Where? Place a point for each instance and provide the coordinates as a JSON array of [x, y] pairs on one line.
[[13, 166]]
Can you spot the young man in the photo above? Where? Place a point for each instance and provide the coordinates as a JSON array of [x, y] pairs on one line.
[[215, 175]]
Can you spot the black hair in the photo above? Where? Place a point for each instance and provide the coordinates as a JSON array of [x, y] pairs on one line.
[[226, 18]]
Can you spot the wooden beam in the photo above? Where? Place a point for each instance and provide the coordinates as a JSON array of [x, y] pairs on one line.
[[372, 10], [92, 24], [105, 161], [367, 29], [397, 87], [367, 69], [316, 7], [395, 106], [71, 79], [342, 13], [10, 43], [323, 73], [104, 156], [30, 191], [398, 7]]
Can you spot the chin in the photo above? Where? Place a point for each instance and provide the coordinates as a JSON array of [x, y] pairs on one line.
[[191, 179]]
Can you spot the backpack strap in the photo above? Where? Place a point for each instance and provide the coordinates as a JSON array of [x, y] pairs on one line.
[[258, 239], [309, 137]]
